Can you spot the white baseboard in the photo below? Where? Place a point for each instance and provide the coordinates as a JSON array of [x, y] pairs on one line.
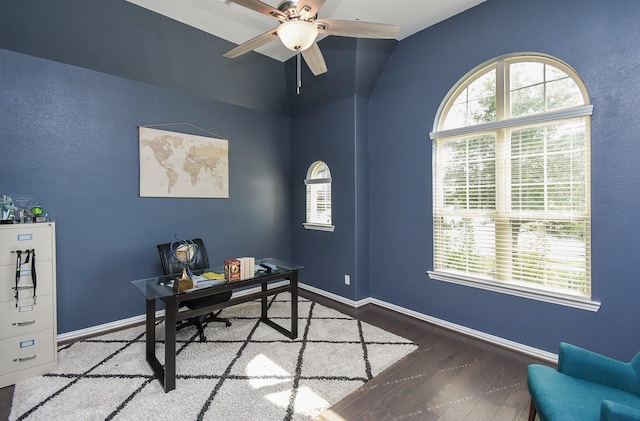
[[496, 340], [131, 321], [103, 328], [334, 297]]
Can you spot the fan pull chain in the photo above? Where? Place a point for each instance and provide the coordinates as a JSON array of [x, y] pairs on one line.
[[299, 72]]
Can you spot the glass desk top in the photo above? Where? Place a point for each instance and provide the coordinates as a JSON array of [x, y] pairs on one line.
[[162, 286]]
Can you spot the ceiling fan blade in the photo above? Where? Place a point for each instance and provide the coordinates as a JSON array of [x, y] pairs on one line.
[[310, 7], [357, 29], [252, 44], [261, 7], [315, 60]]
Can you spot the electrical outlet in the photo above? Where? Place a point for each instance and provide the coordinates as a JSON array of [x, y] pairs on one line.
[[347, 280]]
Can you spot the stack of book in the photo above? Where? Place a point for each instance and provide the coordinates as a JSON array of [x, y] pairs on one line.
[[247, 267], [239, 268]]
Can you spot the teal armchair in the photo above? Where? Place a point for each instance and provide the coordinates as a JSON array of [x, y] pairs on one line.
[[585, 387]]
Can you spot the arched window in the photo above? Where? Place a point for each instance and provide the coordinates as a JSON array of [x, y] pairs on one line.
[[511, 181], [318, 184]]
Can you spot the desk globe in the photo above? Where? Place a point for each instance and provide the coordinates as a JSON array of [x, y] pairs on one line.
[[185, 252]]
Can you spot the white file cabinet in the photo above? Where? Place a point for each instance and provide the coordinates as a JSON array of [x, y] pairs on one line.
[[28, 327]]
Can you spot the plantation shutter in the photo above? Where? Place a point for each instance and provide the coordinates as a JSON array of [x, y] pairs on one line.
[[318, 201]]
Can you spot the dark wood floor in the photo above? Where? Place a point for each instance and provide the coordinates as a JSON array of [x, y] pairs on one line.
[[449, 377]]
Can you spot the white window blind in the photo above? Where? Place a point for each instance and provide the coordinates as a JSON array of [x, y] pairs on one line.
[[512, 180]]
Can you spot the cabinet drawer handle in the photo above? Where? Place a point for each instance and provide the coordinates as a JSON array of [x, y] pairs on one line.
[[23, 359], [25, 323]]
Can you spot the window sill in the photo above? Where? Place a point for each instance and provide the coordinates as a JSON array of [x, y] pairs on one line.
[[518, 291], [318, 227]]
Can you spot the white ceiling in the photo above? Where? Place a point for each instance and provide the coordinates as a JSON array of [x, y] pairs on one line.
[[238, 24]]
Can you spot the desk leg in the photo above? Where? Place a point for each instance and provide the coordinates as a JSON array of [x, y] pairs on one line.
[[171, 310], [293, 279], [150, 343], [150, 337], [263, 314], [293, 289]]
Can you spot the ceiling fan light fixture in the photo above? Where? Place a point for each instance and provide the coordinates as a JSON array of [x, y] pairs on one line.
[[297, 34]]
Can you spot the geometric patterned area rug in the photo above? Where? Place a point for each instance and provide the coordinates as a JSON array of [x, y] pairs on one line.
[[247, 371]]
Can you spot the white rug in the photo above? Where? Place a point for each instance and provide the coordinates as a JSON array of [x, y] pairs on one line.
[[244, 372]]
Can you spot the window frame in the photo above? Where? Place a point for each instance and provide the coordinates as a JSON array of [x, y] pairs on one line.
[[313, 180], [501, 124]]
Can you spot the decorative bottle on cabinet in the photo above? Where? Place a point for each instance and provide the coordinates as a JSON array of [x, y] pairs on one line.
[[28, 327]]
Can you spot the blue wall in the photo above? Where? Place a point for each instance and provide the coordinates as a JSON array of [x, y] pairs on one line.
[[69, 136], [123, 39], [78, 77], [327, 256], [601, 41], [330, 122]]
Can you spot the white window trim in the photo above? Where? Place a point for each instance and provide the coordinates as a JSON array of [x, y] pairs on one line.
[[578, 111], [517, 290], [318, 227], [308, 181], [314, 226]]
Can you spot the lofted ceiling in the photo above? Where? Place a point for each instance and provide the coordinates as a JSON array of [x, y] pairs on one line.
[[238, 24]]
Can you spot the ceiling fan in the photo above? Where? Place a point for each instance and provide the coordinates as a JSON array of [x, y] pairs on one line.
[[299, 27]]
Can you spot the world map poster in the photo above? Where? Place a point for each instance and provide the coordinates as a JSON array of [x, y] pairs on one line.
[[183, 165]]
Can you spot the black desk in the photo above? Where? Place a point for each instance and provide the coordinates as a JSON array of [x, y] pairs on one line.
[[158, 288]]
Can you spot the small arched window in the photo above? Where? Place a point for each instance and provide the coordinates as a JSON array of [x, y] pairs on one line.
[[318, 185], [511, 181]]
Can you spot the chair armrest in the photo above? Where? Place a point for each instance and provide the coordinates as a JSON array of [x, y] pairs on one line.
[[587, 365], [613, 411]]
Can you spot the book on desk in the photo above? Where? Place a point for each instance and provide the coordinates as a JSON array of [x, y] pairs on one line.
[[240, 268]]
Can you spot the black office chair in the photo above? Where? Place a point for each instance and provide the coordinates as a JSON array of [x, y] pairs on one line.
[[170, 266]]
